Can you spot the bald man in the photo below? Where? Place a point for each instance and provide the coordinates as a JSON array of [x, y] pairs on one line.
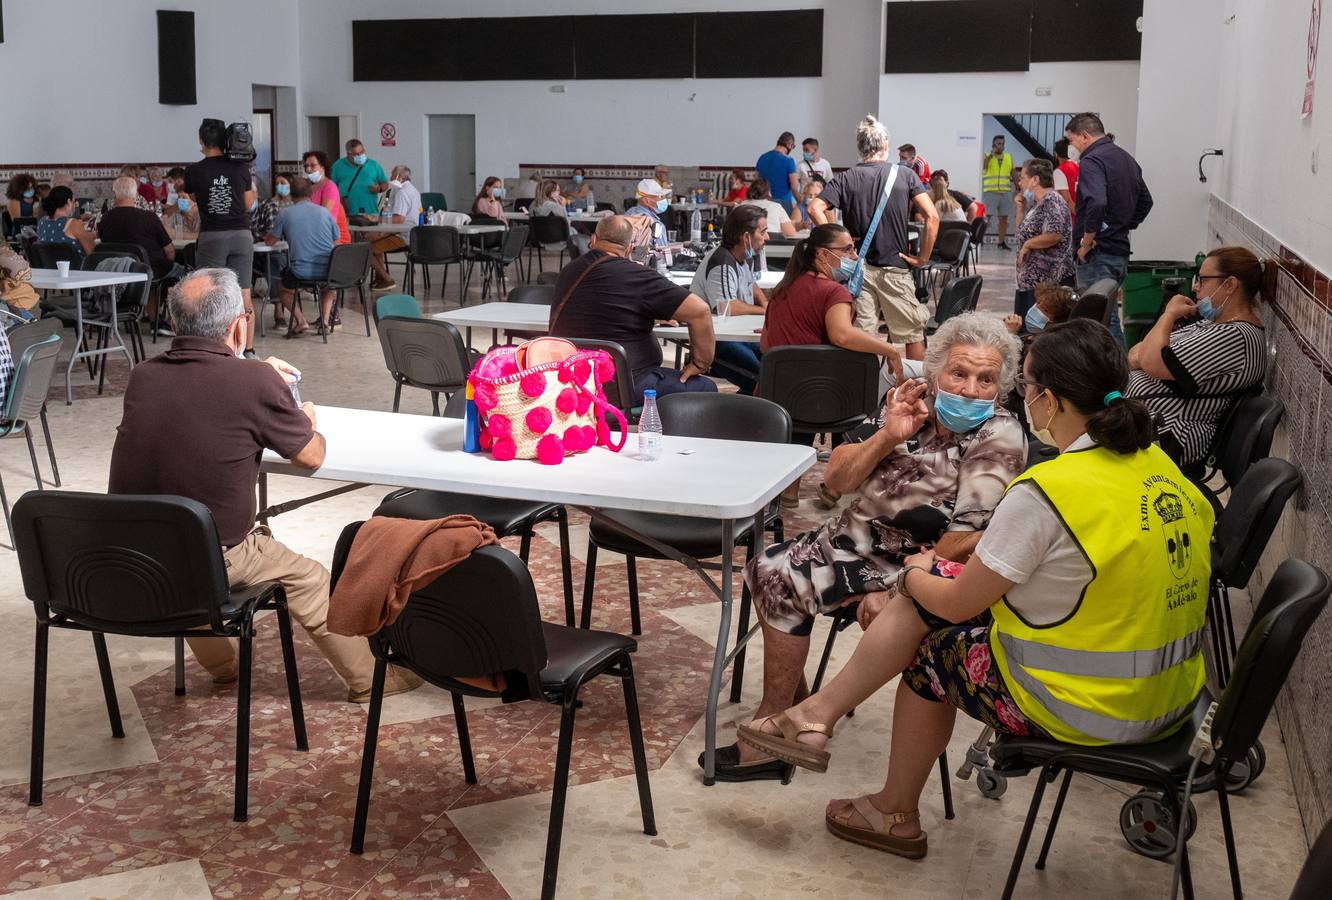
[[605, 295]]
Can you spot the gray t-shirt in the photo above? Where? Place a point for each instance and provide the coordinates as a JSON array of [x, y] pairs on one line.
[[856, 192], [721, 276]]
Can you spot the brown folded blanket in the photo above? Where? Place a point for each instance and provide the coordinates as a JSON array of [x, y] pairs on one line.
[[389, 559]]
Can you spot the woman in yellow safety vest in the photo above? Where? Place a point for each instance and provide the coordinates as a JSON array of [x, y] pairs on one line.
[[1079, 616]]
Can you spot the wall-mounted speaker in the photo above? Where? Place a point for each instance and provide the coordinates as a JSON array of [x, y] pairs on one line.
[[175, 58]]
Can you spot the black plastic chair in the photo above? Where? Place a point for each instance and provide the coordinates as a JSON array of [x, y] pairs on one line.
[[145, 566], [721, 416], [424, 353], [507, 517], [530, 295], [1293, 599], [348, 267], [25, 401], [949, 256], [1315, 881], [978, 230], [498, 259], [482, 618], [131, 300], [1097, 302], [960, 296], [434, 245], [620, 389], [1244, 437], [824, 388], [523, 204], [548, 233], [48, 253], [20, 339]]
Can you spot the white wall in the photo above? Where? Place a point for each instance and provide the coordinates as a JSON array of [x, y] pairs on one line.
[[929, 110], [100, 104]]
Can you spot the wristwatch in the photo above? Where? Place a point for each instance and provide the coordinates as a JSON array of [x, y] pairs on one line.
[[901, 581]]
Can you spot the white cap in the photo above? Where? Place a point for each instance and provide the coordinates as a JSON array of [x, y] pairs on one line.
[[649, 187]]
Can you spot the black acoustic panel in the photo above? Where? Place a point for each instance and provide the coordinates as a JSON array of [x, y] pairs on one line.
[[958, 36], [1083, 30], [648, 46], [175, 58], [405, 50], [738, 44], [516, 48]]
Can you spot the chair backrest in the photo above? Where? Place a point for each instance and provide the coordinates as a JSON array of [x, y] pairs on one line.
[[478, 618], [434, 199], [550, 229], [34, 368], [951, 244], [824, 388], [404, 306], [629, 203], [1249, 519], [1294, 598], [978, 230], [1097, 301], [523, 204], [49, 253], [434, 243], [132, 297], [535, 294], [579, 244], [514, 241], [959, 296], [605, 207], [1245, 435], [349, 264], [24, 336], [426, 353], [123, 564], [620, 389], [727, 417], [121, 249], [107, 261]]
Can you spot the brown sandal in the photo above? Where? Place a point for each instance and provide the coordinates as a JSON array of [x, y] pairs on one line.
[[785, 746], [879, 835]]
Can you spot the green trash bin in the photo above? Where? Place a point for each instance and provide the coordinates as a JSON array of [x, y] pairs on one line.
[[1143, 295]]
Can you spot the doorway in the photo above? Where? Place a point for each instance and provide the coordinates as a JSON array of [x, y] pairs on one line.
[[452, 155], [324, 135], [261, 129]]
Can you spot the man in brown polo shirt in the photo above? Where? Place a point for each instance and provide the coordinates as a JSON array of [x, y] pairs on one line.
[[197, 419]]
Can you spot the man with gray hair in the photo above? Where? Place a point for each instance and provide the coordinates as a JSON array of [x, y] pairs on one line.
[[857, 192], [196, 422], [404, 205], [127, 222]]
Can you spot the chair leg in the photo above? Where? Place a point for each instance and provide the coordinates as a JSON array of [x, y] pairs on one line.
[[827, 652], [434, 402], [561, 787], [243, 725], [636, 743], [397, 395], [180, 667], [589, 583], [525, 544], [742, 624], [1054, 819], [32, 455], [4, 505], [946, 785], [293, 679], [1021, 850], [38, 716], [50, 448], [368, 757], [635, 623], [365, 304], [464, 739], [108, 685], [566, 567], [1223, 803]]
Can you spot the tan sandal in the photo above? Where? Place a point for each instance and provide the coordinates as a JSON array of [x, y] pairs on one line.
[[879, 835], [785, 746]]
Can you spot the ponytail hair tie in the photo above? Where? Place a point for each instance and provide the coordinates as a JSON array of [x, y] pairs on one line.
[[1112, 396]]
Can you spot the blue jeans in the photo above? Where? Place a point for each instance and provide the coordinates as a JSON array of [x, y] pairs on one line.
[[1100, 265], [667, 381], [738, 363]]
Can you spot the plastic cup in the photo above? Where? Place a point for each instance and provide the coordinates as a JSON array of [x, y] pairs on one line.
[[62, 267], [672, 235]]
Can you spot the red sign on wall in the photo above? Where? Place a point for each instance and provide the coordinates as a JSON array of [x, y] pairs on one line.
[[388, 135]]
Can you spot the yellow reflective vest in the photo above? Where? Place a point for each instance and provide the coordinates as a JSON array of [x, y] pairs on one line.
[[997, 178], [1126, 665]]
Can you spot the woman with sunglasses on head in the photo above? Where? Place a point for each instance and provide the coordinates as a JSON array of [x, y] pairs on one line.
[[1202, 354]]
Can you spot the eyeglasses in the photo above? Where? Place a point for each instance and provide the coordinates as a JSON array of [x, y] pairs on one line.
[[845, 248], [1023, 382], [1199, 279]]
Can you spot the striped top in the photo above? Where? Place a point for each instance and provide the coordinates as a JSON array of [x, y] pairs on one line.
[[1212, 364]]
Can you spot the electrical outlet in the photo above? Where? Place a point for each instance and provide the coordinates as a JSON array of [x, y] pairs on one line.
[[557, 89], [1044, 91]]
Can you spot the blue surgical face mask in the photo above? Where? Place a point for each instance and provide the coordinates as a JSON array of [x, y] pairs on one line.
[[749, 253], [578, 179], [1036, 320], [845, 269], [808, 157], [961, 414], [359, 159], [254, 205], [28, 195], [284, 190], [1028, 197], [314, 176], [663, 204], [183, 204], [497, 193], [1209, 310], [143, 179]]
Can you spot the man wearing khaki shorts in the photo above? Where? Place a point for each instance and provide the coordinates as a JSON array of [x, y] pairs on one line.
[[889, 290], [404, 205]]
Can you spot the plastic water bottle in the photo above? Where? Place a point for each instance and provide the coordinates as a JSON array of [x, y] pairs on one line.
[[696, 227], [384, 215], [649, 429], [591, 201], [429, 216]]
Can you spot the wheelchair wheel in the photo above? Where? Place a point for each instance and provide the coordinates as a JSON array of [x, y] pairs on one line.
[[990, 784], [1148, 824], [1246, 771]]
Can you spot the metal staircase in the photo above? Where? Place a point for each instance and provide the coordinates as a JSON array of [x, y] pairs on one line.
[[1036, 132]]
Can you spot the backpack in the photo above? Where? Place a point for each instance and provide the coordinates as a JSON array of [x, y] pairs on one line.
[[240, 142]]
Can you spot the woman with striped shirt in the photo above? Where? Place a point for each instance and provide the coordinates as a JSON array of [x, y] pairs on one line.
[[1202, 355]]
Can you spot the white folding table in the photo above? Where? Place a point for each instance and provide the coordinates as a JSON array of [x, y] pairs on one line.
[[505, 317], [521, 216], [78, 281], [728, 481], [382, 228], [766, 280]]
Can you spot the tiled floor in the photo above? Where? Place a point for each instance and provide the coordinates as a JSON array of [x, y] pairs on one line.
[[150, 816]]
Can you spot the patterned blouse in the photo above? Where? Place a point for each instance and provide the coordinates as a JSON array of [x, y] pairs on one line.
[[1049, 216]]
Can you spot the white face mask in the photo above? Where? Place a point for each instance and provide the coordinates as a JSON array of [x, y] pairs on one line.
[[1073, 153], [1041, 434]]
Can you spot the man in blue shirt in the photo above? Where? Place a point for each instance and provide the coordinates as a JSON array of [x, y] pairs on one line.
[[311, 232], [1112, 200], [360, 181], [779, 169]]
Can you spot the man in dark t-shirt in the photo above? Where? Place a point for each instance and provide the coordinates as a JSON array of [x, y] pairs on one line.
[[126, 223], [196, 422], [605, 296]]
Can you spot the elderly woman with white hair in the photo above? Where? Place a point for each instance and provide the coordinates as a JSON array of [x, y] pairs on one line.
[[930, 476]]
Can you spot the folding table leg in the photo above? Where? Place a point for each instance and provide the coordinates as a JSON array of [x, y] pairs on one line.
[[719, 655]]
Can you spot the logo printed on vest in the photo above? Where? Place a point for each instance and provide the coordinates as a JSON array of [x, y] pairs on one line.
[[1178, 545]]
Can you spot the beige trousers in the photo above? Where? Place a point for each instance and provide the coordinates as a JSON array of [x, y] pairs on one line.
[[261, 558], [893, 292]]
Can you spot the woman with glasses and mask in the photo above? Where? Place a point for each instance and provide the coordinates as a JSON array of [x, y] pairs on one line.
[[1202, 354], [1078, 616]]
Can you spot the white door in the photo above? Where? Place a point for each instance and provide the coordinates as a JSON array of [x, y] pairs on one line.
[[324, 135], [452, 155]]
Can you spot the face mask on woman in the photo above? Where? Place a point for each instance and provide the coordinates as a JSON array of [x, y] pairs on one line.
[[28, 195], [960, 414], [578, 179], [183, 204], [1028, 197], [314, 176], [284, 190], [1036, 320], [1041, 434], [1208, 309], [497, 192], [143, 179], [845, 269]]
